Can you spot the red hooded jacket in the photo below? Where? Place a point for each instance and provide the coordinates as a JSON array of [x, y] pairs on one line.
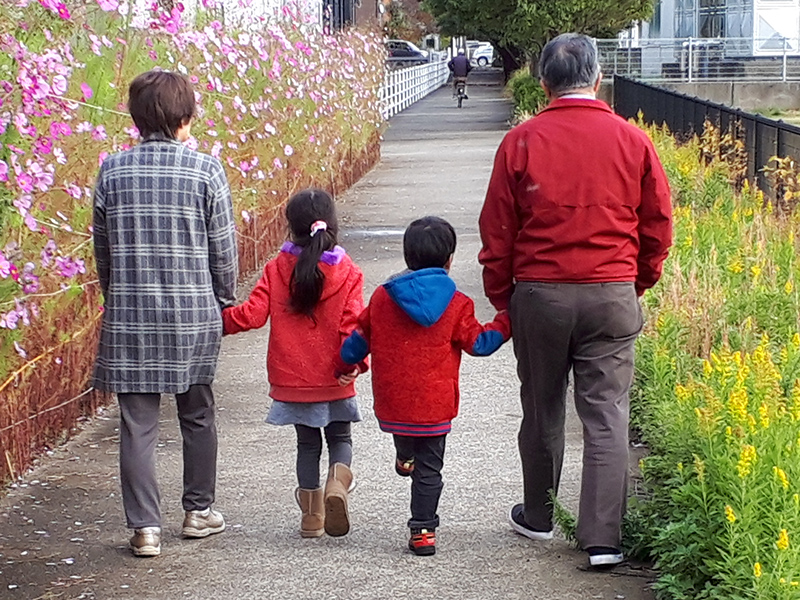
[[301, 356], [416, 327]]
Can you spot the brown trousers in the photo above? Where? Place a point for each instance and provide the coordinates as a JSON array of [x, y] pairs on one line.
[[591, 329]]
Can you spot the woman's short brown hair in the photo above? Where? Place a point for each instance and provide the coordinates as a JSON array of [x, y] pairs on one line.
[[160, 102]]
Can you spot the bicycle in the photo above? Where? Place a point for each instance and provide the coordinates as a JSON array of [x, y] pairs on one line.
[[461, 90]]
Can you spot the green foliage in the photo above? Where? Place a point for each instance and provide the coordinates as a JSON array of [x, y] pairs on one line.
[[527, 94], [565, 520], [717, 391], [529, 24]]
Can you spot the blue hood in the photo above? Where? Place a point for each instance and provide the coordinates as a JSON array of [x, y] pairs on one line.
[[423, 295]]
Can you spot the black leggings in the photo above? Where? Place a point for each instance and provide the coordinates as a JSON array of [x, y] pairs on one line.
[[309, 450]]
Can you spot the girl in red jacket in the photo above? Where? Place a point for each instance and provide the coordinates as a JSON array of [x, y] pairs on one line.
[[312, 291]]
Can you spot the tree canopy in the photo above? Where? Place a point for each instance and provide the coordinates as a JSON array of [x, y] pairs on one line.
[[529, 24]]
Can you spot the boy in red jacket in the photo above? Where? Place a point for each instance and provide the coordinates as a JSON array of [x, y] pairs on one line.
[[416, 326]]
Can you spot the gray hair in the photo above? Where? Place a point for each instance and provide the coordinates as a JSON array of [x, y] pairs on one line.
[[569, 62]]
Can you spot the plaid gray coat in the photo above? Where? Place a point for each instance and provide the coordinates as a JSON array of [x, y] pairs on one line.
[[167, 263]]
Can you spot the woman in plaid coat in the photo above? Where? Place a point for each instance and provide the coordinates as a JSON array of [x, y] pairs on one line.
[[167, 263]]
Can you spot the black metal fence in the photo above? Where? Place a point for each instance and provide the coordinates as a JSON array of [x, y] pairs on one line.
[[685, 116]]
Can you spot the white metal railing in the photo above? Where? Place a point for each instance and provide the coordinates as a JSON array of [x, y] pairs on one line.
[[702, 59], [403, 87]]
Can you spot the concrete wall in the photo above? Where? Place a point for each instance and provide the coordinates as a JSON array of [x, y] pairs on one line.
[[744, 95]]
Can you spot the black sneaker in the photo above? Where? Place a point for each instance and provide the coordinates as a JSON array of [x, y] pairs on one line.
[[423, 542], [600, 556], [516, 519], [404, 466]]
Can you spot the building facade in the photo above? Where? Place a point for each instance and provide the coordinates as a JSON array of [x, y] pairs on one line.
[[765, 27]]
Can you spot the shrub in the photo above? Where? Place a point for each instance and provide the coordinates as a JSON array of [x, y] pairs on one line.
[[526, 93]]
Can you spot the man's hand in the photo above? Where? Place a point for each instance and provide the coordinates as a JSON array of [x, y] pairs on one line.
[[347, 379]]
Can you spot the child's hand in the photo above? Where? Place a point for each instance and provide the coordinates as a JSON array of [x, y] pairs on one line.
[[347, 379]]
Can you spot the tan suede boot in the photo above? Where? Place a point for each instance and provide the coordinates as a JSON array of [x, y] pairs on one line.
[[312, 504], [337, 519]]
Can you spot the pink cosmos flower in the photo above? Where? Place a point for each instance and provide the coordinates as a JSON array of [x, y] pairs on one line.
[[246, 216], [69, 267], [101, 158], [108, 5], [99, 134], [48, 252], [25, 182], [9, 320], [86, 91], [288, 150], [60, 85], [5, 267], [3, 171]]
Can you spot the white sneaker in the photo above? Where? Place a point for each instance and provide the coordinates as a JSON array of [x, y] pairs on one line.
[[605, 557], [517, 521]]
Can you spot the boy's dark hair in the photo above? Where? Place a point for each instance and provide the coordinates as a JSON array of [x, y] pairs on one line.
[[302, 211], [160, 102], [428, 243]]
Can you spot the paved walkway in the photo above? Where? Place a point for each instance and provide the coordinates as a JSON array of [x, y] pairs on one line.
[[62, 532]]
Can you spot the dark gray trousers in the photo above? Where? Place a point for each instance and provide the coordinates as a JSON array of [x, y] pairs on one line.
[[138, 435], [426, 478], [591, 329]]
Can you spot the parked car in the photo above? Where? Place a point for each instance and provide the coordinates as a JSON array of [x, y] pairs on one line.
[[482, 55], [402, 51]]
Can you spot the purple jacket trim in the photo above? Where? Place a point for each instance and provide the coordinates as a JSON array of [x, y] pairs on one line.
[[415, 430], [329, 257]]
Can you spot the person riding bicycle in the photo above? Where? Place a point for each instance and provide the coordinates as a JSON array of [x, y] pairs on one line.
[[460, 67]]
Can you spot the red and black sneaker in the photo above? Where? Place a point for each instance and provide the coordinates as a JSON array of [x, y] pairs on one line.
[[404, 466], [423, 542]]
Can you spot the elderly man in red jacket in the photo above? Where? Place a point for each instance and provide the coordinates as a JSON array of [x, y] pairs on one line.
[[575, 227]]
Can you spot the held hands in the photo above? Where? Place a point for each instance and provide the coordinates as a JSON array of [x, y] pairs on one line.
[[348, 378]]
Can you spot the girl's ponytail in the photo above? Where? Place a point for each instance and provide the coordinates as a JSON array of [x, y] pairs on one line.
[[312, 220]]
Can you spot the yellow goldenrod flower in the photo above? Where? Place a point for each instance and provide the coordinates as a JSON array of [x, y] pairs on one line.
[[796, 341], [782, 580], [757, 570], [737, 404], [751, 421], [729, 514], [682, 393], [736, 266], [783, 540], [756, 271], [700, 468], [791, 236], [781, 475], [795, 583], [796, 499], [789, 287], [728, 431], [747, 457], [763, 416], [707, 369]]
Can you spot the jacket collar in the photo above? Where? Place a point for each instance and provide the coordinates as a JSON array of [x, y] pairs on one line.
[[576, 102], [159, 137]]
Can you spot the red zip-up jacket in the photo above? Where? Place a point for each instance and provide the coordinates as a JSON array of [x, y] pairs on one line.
[[301, 355], [577, 195]]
